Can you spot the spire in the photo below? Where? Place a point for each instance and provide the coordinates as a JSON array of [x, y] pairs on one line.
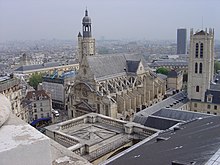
[[79, 35], [86, 12]]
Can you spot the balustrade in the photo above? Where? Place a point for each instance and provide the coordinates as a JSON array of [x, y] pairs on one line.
[[107, 148], [111, 122], [73, 123], [65, 139]]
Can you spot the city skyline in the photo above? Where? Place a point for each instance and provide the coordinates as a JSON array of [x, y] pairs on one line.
[[150, 20]]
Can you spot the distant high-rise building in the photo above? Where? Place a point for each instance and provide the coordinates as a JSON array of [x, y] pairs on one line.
[[181, 41]]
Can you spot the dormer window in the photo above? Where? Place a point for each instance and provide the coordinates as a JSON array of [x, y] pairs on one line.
[[209, 98]]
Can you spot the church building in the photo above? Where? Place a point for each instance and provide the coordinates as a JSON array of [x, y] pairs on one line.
[[115, 85]]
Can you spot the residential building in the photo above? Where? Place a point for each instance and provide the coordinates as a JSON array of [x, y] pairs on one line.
[[47, 68], [58, 87], [39, 104], [10, 87]]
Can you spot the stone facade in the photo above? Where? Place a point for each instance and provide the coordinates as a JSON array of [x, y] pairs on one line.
[[201, 64], [203, 93], [39, 105], [10, 87], [175, 80], [58, 87], [113, 85]]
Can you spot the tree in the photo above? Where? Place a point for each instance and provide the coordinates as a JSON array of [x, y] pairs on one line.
[[162, 70], [216, 66], [35, 79]]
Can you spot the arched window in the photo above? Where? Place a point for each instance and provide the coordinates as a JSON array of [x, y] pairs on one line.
[[200, 68], [201, 50], [196, 67], [197, 50], [197, 88]]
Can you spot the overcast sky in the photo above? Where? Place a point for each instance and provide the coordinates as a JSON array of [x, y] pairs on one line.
[[113, 19]]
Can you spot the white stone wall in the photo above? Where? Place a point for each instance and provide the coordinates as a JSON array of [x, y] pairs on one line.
[[21, 144], [203, 107], [55, 89], [43, 107]]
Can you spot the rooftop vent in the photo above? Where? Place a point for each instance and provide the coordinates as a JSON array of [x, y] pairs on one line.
[[182, 163], [161, 138], [176, 128]]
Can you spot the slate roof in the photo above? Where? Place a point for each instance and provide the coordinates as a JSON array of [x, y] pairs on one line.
[[174, 101], [160, 123], [132, 66], [114, 64], [166, 118], [179, 114], [215, 87], [193, 143], [41, 66], [215, 96], [168, 63], [173, 74], [202, 32]]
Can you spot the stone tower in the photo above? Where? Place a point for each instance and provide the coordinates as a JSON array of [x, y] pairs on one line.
[[201, 64], [86, 44]]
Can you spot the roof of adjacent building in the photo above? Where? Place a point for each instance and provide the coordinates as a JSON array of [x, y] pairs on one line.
[[215, 96], [132, 66], [174, 101], [114, 64], [173, 74], [168, 63], [42, 66], [37, 94], [166, 118], [192, 143]]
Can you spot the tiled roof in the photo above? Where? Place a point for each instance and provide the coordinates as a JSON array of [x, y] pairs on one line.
[[37, 94]]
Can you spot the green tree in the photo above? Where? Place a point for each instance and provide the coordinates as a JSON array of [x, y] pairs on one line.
[[35, 79], [216, 66], [162, 70]]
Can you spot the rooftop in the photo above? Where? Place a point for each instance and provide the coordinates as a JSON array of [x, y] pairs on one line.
[[43, 66], [174, 102], [40, 94], [94, 135], [194, 143], [22, 144]]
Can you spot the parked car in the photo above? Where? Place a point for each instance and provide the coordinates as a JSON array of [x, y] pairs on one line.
[[55, 113]]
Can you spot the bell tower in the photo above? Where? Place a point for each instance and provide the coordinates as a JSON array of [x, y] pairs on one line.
[[201, 64], [86, 44]]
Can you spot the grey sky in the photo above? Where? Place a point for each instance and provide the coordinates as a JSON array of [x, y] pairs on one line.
[[114, 19]]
